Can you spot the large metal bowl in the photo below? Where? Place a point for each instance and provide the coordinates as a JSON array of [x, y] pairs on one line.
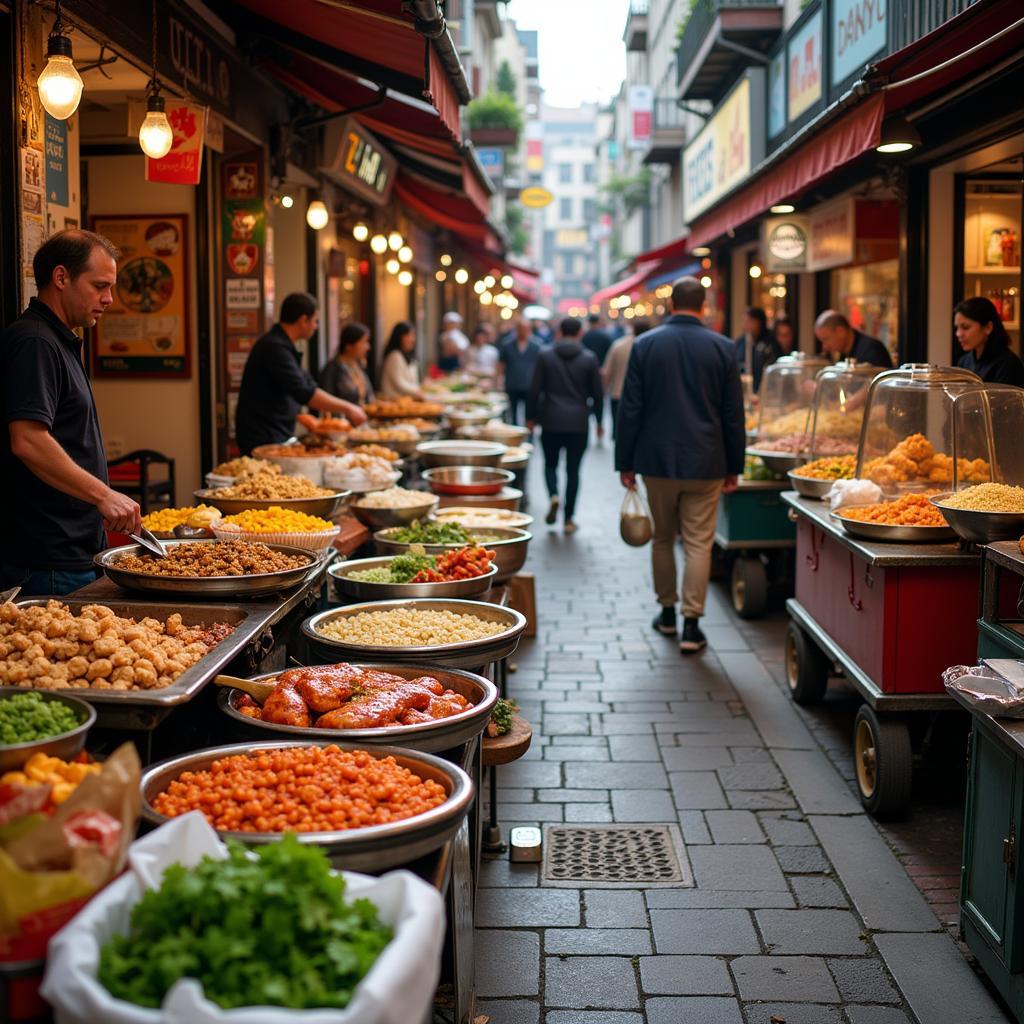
[[778, 462], [358, 849], [474, 416], [65, 745], [443, 734], [893, 534], [458, 654], [808, 486], [325, 506], [404, 446], [382, 518], [467, 479], [980, 527], [506, 433], [361, 590], [516, 520], [508, 497], [461, 453], [509, 552], [203, 586]]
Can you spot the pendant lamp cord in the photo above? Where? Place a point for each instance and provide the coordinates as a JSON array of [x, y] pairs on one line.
[[153, 84]]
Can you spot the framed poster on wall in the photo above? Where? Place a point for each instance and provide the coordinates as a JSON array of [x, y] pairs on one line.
[[146, 332]]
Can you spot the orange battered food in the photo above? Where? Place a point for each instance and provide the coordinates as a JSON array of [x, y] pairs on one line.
[[910, 510], [915, 460]]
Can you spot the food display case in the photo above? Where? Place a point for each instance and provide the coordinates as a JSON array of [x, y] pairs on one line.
[[837, 411]]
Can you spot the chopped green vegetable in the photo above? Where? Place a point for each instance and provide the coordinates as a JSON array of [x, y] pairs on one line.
[[27, 717], [401, 568], [430, 533], [502, 715], [265, 928]]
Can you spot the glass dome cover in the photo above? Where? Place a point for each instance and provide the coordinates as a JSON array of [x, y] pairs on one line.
[[988, 424], [837, 411], [906, 436], [787, 390]]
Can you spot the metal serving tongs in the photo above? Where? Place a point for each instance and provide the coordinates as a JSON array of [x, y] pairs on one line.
[[9, 595], [149, 541]]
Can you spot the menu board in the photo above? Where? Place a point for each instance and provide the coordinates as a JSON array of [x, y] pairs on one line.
[[146, 331]]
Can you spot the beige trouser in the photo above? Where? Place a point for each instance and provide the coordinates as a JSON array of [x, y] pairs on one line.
[[689, 509]]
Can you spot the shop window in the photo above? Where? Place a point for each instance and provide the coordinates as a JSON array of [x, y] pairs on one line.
[[589, 211], [868, 296], [565, 208], [565, 174], [590, 173]]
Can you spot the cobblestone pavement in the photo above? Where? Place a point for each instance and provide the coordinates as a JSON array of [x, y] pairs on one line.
[[800, 911]]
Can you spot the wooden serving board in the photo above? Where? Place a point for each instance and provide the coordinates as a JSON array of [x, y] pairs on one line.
[[510, 747]]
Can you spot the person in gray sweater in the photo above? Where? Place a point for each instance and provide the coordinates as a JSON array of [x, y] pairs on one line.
[[565, 391]]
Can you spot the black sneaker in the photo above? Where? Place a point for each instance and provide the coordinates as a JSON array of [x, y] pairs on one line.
[[665, 623], [692, 640], [552, 517]]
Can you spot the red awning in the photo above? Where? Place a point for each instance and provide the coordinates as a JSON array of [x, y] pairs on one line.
[[670, 251], [831, 148], [627, 285], [448, 210]]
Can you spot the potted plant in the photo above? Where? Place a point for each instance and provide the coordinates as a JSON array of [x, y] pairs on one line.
[[494, 119]]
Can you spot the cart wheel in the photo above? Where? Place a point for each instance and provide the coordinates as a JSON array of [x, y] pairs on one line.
[[884, 763], [807, 668], [749, 587]]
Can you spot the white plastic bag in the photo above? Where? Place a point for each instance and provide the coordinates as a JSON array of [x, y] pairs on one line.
[[853, 492], [635, 526], [398, 989]]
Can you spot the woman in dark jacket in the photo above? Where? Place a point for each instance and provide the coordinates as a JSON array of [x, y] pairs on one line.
[[345, 375], [986, 344]]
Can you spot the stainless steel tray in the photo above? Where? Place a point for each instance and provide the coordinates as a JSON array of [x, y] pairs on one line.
[[980, 527], [204, 586], [359, 849], [365, 591], [325, 506], [443, 734], [383, 518], [778, 462], [249, 623], [459, 654], [893, 534], [509, 553], [66, 744], [808, 486]]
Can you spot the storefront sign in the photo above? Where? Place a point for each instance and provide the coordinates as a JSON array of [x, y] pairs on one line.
[[571, 238], [641, 116], [535, 197], [831, 235], [200, 63], [183, 165], [145, 332], [777, 93], [804, 51], [725, 149], [858, 32], [362, 164], [56, 152], [492, 160], [785, 244]]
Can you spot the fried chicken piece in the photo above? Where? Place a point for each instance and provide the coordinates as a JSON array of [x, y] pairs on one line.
[[285, 707], [323, 687], [379, 709]]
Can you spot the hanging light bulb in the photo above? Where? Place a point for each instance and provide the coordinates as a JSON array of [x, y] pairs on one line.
[[287, 201], [506, 314], [486, 298], [754, 271], [392, 266], [379, 244], [317, 215], [156, 135], [405, 277], [360, 232], [405, 254], [60, 85], [706, 281], [462, 275], [395, 241], [507, 281], [479, 287], [490, 281], [441, 276]]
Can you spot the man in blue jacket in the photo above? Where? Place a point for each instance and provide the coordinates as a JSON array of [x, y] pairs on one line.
[[681, 426]]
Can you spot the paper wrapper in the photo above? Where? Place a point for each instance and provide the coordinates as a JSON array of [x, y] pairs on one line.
[[318, 541], [398, 989]]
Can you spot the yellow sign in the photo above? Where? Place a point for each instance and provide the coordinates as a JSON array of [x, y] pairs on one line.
[[536, 197]]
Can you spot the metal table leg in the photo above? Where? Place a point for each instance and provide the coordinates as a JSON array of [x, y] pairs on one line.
[[492, 834]]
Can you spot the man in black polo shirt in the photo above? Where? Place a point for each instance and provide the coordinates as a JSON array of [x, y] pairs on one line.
[[274, 384], [56, 497], [837, 337]]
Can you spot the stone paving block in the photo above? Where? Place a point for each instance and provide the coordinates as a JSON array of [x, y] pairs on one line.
[[817, 892], [694, 828], [817, 786], [704, 931], [517, 908], [500, 872], [725, 638], [693, 1010], [685, 976], [598, 941], [587, 813], [862, 981], [798, 979], [522, 775], [749, 800], [802, 860], [529, 812], [750, 755], [576, 796], [633, 748], [566, 725], [875, 1015], [737, 868], [560, 753], [734, 827], [686, 899], [884, 896], [696, 791], [507, 963], [686, 758], [599, 982], [786, 830], [614, 908], [589, 1017], [641, 707], [577, 741], [706, 711], [621, 775], [810, 931], [750, 776], [936, 980], [643, 805], [791, 1013], [576, 705], [509, 1011], [515, 796]]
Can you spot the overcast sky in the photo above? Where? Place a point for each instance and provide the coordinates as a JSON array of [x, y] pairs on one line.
[[582, 56]]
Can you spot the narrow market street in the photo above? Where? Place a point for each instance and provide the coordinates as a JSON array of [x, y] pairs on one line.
[[796, 907]]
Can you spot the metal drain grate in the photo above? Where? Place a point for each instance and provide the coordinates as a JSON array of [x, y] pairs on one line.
[[615, 856]]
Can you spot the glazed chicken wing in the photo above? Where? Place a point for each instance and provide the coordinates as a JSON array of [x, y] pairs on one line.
[[286, 707], [379, 709], [441, 706], [324, 687]]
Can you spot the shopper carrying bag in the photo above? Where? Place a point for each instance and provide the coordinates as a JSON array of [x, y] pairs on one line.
[[635, 526]]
